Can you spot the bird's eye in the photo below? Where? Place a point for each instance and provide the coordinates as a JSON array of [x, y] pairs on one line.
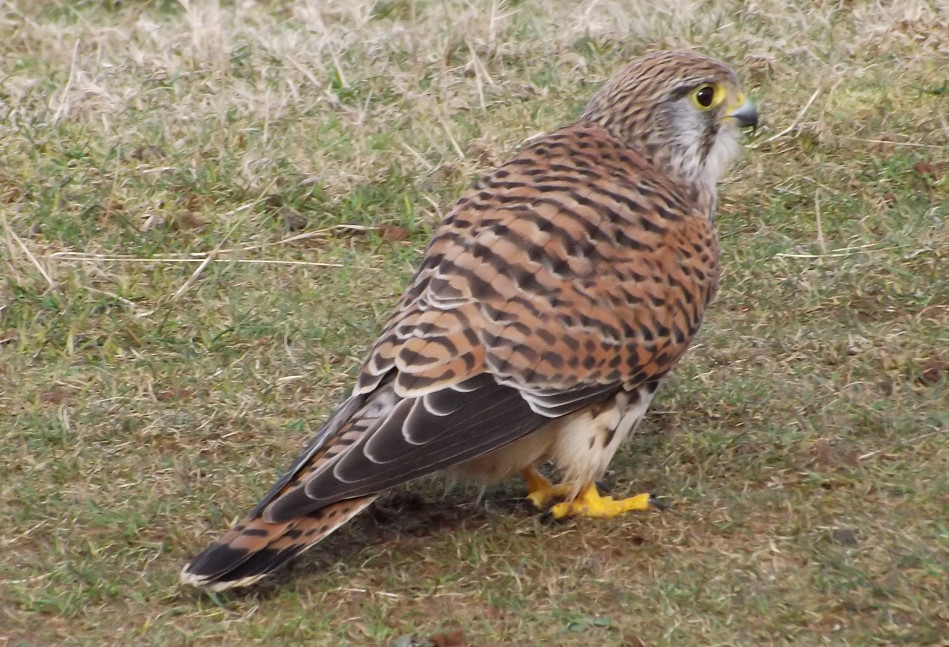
[[704, 96]]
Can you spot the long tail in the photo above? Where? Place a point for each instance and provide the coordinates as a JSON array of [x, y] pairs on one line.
[[254, 548]]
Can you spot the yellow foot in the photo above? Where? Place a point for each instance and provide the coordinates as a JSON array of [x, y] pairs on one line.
[[540, 491], [589, 503]]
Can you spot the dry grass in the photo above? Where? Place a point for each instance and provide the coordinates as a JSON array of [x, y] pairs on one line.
[[208, 208]]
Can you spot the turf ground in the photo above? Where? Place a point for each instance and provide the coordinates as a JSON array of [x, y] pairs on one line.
[[208, 208]]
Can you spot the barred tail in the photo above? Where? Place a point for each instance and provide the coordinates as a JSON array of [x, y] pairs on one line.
[[254, 548]]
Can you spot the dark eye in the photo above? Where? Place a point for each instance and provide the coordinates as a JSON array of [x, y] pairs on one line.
[[704, 96]]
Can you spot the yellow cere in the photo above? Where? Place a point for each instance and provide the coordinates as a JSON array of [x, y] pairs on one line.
[[739, 101]]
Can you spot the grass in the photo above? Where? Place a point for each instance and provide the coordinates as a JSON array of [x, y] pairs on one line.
[[207, 210]]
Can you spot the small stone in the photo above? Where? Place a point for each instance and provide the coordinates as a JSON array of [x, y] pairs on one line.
[[844, 536]]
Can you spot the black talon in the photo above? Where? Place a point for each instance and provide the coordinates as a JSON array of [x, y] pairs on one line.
[[654, 501], [548, 519]]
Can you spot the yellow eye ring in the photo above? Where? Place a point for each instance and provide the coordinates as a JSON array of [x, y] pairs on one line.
[[708, 95]]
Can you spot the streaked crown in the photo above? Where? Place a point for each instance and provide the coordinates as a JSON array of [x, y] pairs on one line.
[[680, 109]]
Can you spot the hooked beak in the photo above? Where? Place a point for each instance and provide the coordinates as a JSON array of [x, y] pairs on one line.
[[746, 114]]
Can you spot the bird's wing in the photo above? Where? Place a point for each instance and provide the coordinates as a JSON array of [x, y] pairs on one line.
[[567, 274]]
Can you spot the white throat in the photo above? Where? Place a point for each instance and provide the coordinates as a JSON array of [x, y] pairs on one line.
[[725, 150]]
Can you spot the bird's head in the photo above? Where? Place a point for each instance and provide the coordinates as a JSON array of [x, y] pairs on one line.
[[682, 110]]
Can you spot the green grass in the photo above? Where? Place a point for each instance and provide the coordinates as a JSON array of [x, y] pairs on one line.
[[146, 398]]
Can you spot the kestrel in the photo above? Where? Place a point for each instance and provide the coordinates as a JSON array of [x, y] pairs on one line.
[[549, 304]]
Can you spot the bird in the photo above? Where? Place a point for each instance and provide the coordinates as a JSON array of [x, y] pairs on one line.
[[549, 304]]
